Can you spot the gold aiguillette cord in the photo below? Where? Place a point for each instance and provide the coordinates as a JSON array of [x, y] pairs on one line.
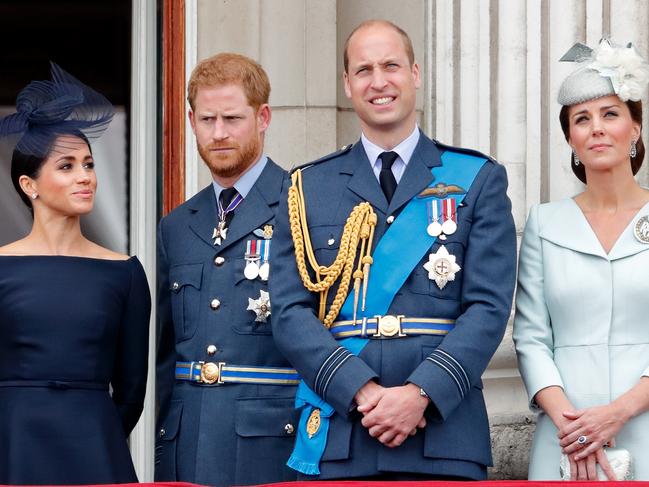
[[359, 229]]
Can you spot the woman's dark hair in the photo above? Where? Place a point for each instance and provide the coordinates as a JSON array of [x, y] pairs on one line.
[[635, 108], [30, 165]]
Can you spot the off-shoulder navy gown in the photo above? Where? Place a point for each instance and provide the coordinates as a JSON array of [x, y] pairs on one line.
[[73, 363]]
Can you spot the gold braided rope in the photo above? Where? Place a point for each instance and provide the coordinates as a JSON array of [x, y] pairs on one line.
[[359, 227]]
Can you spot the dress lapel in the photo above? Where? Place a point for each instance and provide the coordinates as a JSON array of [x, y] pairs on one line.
[[628, 244], [567, 226]]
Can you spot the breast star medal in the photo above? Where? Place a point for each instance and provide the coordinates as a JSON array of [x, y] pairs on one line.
[[441, 267], [641, 229], [313, 423], [260, 306]]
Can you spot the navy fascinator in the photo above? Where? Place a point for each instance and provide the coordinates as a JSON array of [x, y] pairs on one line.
[[48, 109]]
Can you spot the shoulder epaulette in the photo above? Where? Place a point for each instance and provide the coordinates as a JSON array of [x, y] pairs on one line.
[[343, 150], [463, 150]]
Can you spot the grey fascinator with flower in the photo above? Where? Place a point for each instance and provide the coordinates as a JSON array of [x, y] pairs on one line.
[[48, 109], [606, 70]]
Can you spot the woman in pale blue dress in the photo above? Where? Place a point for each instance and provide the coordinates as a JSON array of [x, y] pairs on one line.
[[582, 308]]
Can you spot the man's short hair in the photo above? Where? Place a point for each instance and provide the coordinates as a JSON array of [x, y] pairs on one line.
[[407, 43], [230, 68]]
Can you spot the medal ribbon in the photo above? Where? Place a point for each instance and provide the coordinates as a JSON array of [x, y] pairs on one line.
[[450, 212], [433, 215], [231, 207], [252, 249], [265, 249]]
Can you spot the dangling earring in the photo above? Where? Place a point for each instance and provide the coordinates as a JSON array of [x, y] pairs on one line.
[[34, 196], [575, 157], [634, 150]]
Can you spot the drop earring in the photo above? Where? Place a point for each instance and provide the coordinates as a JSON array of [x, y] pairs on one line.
[[575, 157], [634, 150]]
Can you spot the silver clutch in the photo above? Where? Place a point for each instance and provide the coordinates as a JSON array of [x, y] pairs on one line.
[[619, 458]]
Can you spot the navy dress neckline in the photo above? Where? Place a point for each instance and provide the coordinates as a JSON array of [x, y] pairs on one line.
[[73, 365]]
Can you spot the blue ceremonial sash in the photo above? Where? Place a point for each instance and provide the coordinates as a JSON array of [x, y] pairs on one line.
[[396, 255], [406, 241]]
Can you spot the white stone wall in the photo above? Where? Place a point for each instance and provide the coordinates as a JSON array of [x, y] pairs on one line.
[[491, 74]]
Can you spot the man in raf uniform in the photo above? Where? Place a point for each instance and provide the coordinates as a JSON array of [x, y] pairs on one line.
[[423, 237], [225, 392]]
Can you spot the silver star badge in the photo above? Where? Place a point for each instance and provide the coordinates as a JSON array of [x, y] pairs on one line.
[[441, 267], [261, 306]]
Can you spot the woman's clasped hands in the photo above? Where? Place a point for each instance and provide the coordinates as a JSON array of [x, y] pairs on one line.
[[584, 436]]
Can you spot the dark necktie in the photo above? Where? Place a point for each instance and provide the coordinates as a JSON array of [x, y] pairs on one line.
[[386, 178], [226, 197]]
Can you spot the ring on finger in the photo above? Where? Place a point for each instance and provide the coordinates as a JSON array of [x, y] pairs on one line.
[[582, 440]]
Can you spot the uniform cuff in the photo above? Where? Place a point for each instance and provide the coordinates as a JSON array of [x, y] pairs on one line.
[[444, 380], [340, 377]]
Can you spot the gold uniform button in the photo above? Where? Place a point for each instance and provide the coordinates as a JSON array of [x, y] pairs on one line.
[[175, 286], [211, 349], [219, 261], [390, 219], [289, 429], [215, 304]]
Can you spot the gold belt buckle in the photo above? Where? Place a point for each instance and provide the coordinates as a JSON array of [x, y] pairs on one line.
[[211, 372], [388, 326]]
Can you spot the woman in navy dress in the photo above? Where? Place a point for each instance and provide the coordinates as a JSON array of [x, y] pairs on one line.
[[74, 316]]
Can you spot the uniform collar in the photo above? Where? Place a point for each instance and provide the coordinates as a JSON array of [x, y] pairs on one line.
[[245, 183], [405, 148]]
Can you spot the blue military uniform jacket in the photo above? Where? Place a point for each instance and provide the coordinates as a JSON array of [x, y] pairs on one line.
[[228, 434], [456, 440]]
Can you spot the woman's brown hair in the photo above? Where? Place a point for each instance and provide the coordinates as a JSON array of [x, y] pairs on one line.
[[635, 108]]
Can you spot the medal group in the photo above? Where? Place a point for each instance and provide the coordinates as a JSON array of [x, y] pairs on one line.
[[442, 221], [257, 257]]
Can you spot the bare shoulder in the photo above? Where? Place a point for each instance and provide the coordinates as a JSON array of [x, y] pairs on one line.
[[15, 248], [98, 252]]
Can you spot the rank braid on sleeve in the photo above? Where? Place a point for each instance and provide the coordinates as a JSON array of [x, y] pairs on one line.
[[358, 232]]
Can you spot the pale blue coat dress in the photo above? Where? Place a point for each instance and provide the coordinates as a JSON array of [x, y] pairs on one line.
[[582, 323]]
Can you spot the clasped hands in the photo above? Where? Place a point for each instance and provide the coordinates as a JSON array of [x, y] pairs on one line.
[[584, 434], [391, 414]]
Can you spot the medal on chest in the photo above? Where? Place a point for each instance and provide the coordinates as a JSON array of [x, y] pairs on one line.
[[260, 306], [220, 231], [434, 228], [257, 258], [449, 225], [251, 271], [442, 223], [441, 267], [264, 268]]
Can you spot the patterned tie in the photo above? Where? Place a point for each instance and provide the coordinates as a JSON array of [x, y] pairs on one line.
[[386, 178]]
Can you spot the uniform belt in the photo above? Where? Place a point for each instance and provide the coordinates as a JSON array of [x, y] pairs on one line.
[[391, 326], [55, 384], [218, 373]]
